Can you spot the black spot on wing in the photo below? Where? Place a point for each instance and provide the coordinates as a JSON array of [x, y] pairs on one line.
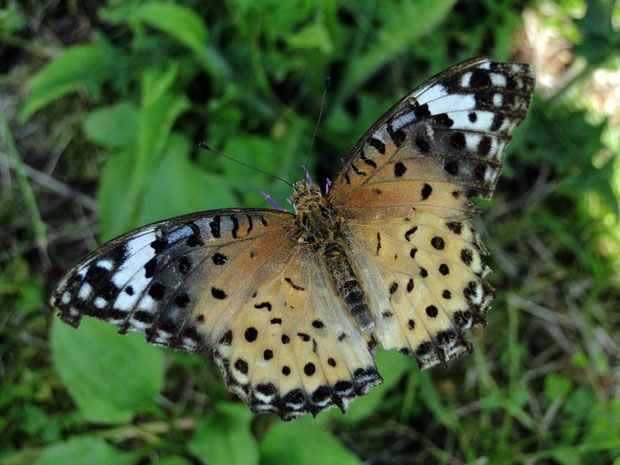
[[377, 144]]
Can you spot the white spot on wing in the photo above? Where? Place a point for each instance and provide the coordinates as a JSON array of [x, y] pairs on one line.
[[136, 325], [453, 102], [85, 291], [147, 303], [105, 264], [472, 140], [65, 298], [483, 122], [489, 176], [100, 302], [138, 254], [498, 99], [174, 236], [498, 80], [432, 93], [381, 134], [465, 78], [403, 120]]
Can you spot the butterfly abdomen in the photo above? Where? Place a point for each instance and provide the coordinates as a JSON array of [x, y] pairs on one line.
[[348, 285]]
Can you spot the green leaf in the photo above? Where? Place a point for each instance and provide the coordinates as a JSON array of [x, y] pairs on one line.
[[177, 21], [110, 377], [224, 437], [312, 36], [112, 193], [126, 175], [11, 21], [156, 122], [600, 41], [172, 460], [556, 386], [155, 83], [401, 25], [303, 442], [178, 186], [84, 450], [83, 67], [115, 126]]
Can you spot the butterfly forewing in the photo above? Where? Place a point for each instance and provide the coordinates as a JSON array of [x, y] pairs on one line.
[[159, 278], [439, 146], [405, 191]]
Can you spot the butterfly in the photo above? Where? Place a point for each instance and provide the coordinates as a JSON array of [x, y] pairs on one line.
[[291, 305]]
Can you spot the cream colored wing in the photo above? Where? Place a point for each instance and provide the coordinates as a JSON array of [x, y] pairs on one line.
[[293, 347], [423, 277]]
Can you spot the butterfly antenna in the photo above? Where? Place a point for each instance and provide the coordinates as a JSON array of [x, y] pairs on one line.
[[204, 146], [318, 121]]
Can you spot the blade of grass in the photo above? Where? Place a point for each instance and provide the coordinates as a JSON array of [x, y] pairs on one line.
[[26, 190]]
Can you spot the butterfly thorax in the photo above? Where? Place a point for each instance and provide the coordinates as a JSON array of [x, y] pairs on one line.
[[316, 222], [321, 228]]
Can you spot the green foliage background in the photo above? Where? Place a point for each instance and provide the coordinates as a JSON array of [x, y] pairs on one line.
[[101, 107]]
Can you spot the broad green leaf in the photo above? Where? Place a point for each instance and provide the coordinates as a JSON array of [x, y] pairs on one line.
[[84, 450], [172, 460], [224, 437], [155, 83], [83, 67], [124, 181], [110, 377], [11, 21], [401, 26], [313, 36], [600, 41], [177, 21], [156, 121], [115, 126], [112, 193], [303, 442], [178, 186]]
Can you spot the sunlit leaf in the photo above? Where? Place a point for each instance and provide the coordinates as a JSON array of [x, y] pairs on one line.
[[84, 450], [178, 186], [115, 126], [83, 67], [224, 437], [177, 21], [303, 443], [402, 25]]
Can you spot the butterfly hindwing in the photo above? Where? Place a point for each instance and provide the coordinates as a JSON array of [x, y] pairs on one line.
[[157, 278], [439, 146], [293, 347], [424, 279]]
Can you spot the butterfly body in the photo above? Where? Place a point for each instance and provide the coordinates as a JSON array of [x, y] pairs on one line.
[[291, 305]]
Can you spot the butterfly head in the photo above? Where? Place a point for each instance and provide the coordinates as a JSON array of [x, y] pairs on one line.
[[305, 193]]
